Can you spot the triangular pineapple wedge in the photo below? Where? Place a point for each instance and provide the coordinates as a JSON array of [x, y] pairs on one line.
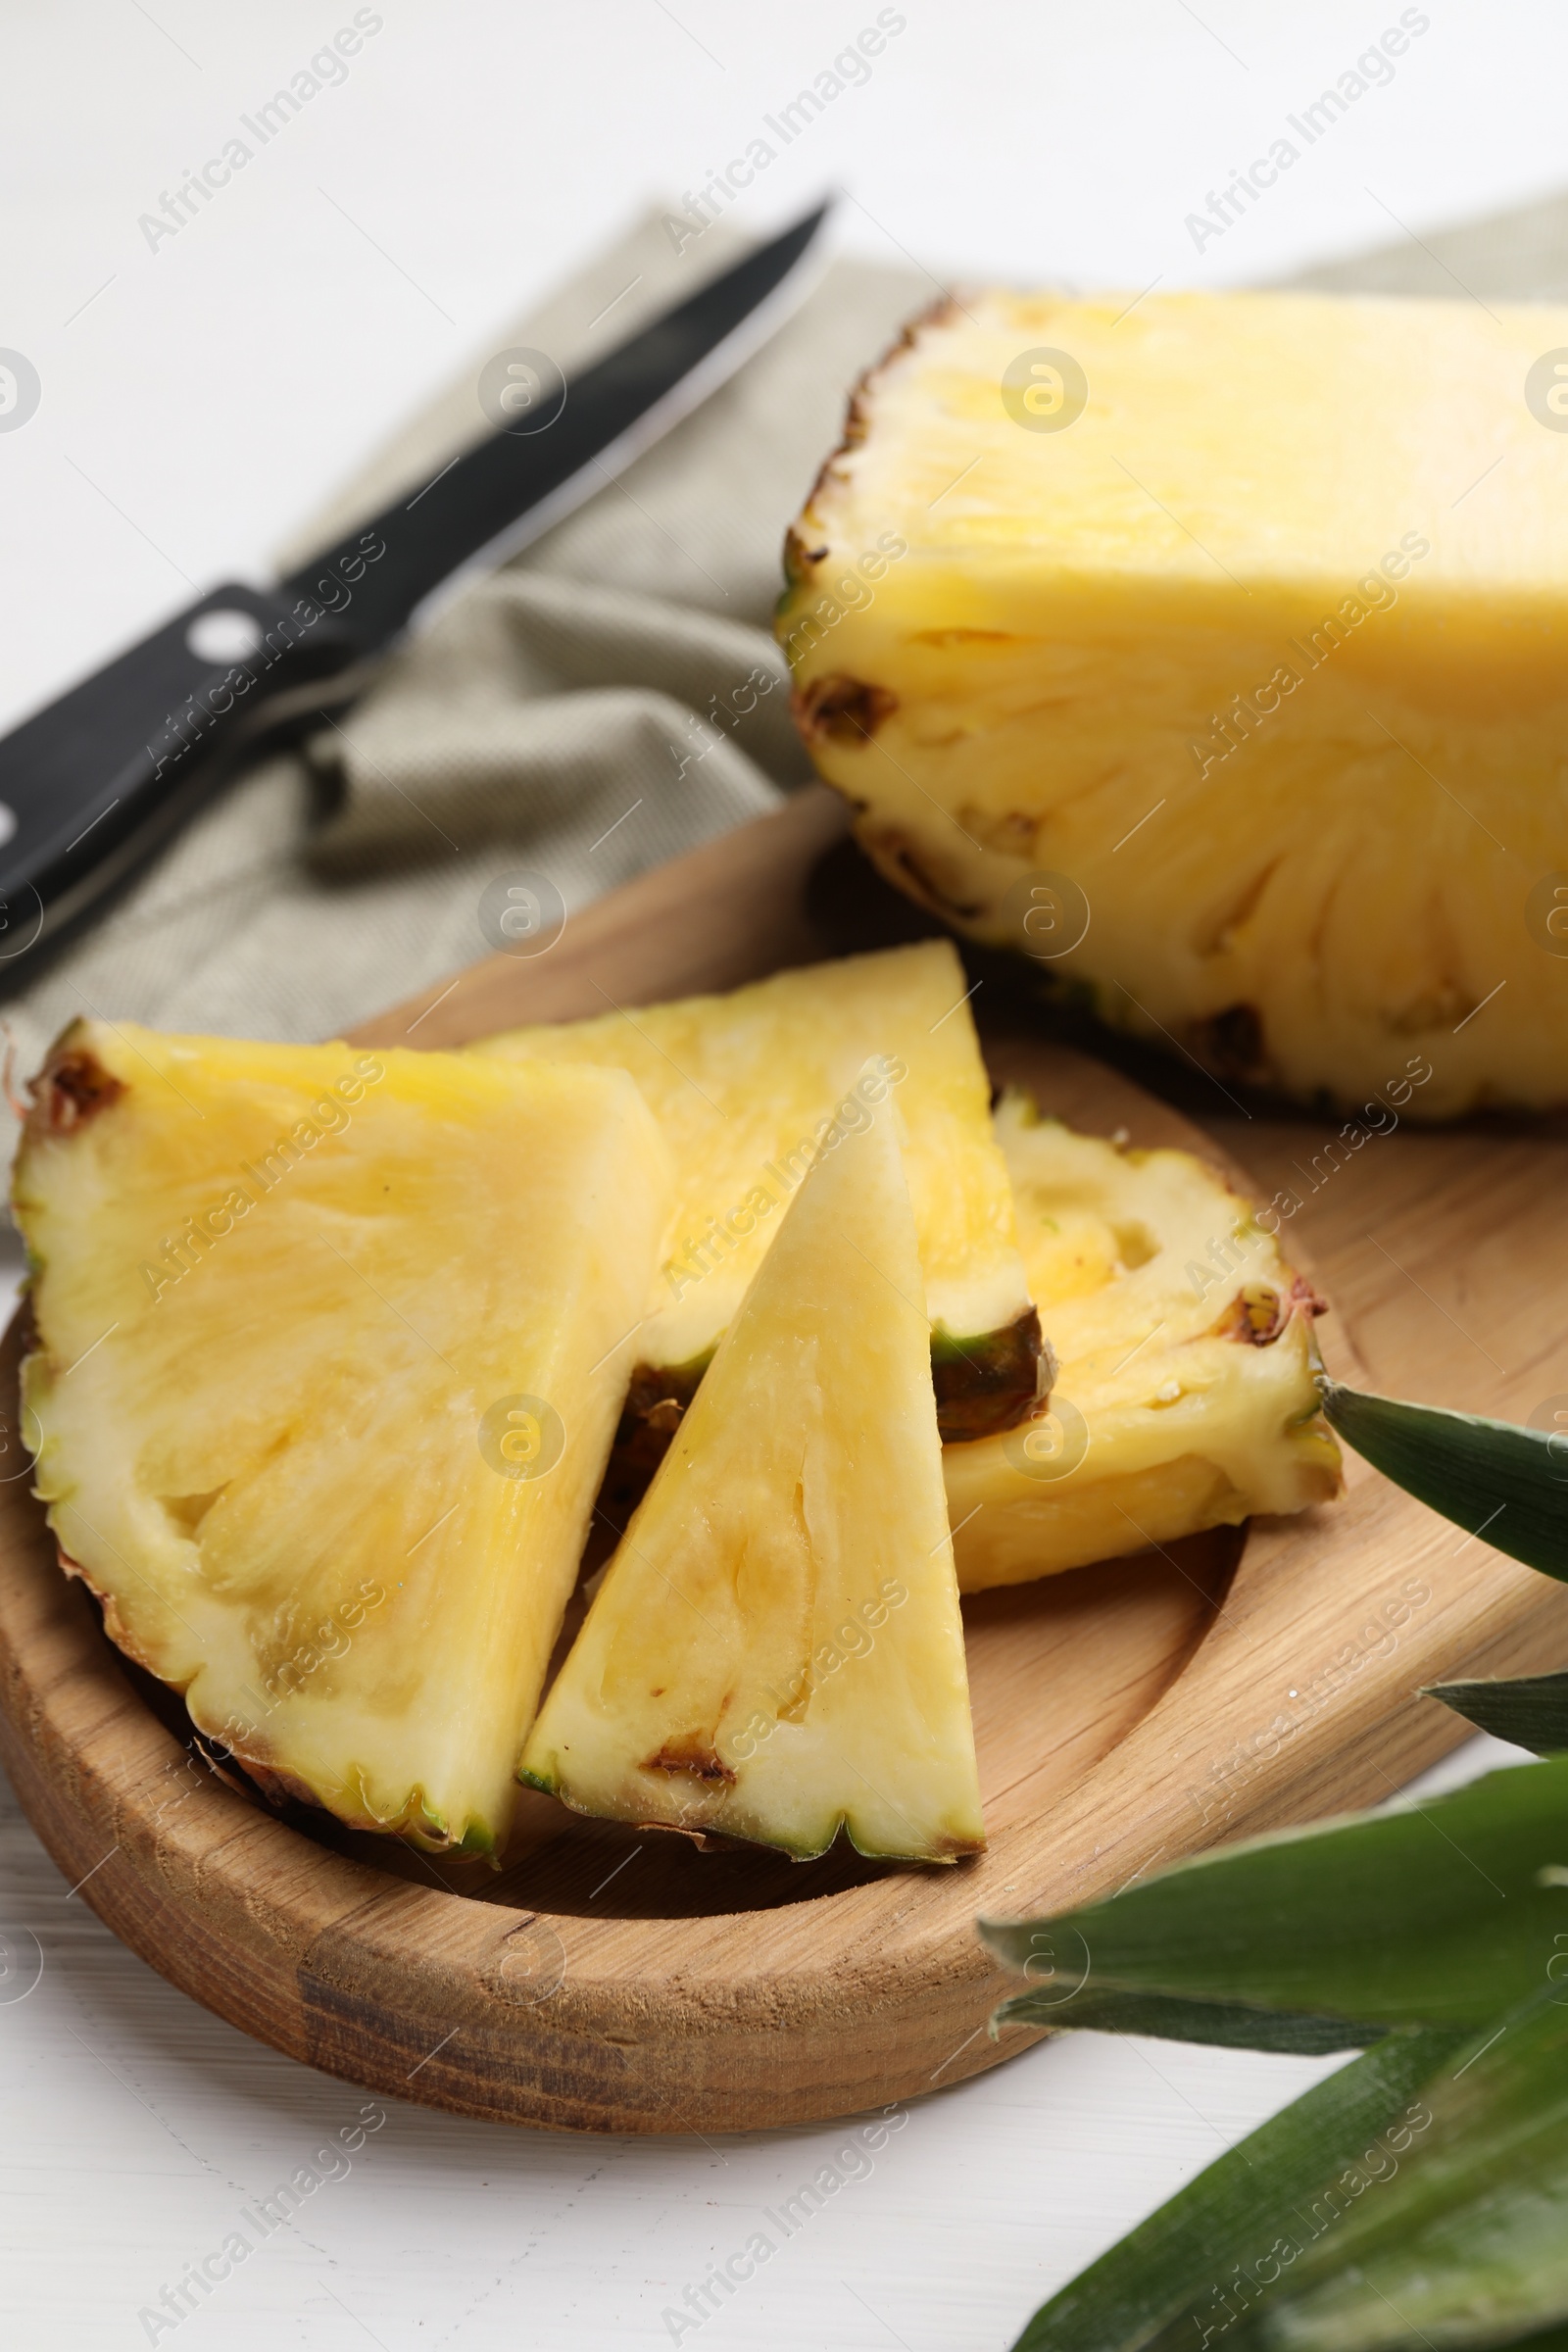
[[746, 1086], [330, 1349], [776, 1650]]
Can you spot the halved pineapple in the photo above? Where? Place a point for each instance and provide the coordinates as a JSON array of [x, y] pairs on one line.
[[747, 1086], [330, 1349], [1186, 1396], [1212, 649], [775, 1652]]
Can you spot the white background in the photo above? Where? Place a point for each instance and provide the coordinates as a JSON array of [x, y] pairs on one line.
[[197, 401]]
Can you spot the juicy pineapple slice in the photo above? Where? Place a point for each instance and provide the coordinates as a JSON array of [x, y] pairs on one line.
[[775, 1652], [326, 1378], [1234, 626], [745, 1086], [1186, 1397]]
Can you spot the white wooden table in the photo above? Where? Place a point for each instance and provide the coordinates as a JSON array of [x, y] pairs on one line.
[[463, 159]]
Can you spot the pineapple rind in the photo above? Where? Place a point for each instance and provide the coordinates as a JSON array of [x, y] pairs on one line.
[[775, 1652], [268, 1465], [1238, 654], [1127, 1254]]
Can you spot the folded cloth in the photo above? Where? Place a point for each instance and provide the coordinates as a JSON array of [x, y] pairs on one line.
[[609, 699]]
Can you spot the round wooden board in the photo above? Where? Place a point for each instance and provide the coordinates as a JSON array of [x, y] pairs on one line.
[[1126, 1714]]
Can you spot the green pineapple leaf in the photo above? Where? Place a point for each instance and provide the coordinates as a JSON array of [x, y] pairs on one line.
[[1419, 2196], [1238, 2210], [1441, 1914], [1228, 2024], [1532, 1712], [1491, 1478]]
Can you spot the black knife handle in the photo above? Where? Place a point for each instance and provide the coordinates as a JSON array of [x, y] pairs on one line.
[[88, 784]]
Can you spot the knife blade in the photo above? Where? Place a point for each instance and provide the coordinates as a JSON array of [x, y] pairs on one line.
[[92, 782]]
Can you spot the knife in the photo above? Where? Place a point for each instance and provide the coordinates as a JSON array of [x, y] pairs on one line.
[[92, 783]]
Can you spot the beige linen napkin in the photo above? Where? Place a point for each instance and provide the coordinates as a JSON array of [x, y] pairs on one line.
[[560, 717]]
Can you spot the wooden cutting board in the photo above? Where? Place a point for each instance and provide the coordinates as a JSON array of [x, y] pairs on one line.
[[615, 1980]]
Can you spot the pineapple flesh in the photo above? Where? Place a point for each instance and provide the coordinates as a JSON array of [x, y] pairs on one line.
[[330, 1347], [1213, 652], [775, 1652], [746, 1088], [1186, 1397]]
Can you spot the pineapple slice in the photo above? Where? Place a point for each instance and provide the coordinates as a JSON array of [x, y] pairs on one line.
[[1186, 1397], [745, 1087], [1213, 650], [775, 1652], [326, 1374]]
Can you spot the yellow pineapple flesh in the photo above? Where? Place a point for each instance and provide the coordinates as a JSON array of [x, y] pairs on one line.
[[1186, 1397], [775, 1651], [747, 1086], [1221, 665], [329, 1351]]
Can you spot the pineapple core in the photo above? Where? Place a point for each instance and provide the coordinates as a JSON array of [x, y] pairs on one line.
[[1213, 651], [330, 1347], [776, 1650]]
